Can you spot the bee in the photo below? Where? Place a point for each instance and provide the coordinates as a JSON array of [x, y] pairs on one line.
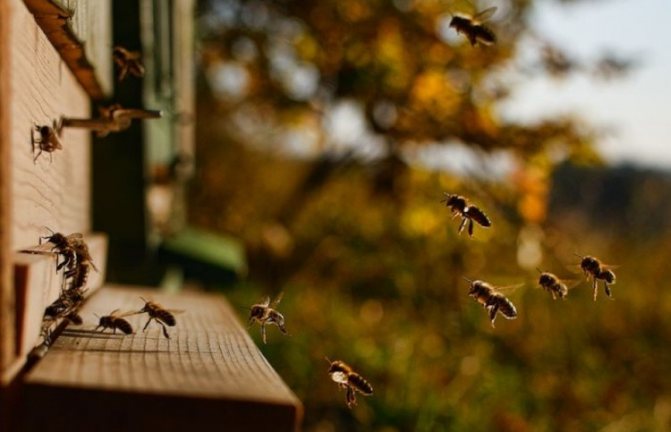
[[113, 118], [47, 139], [162, 316], [84, 263], [552, 284], [595, 269], [462, 208], [473, 27], [345, 376], [114, 322], [492, 300], [65, 246], [128, 62], [265, 313]]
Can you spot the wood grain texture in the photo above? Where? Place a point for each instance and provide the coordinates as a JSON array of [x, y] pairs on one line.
[[54, 194], [38, 285], [208, 374]]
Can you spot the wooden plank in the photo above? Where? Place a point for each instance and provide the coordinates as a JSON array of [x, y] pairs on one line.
[[69, 25], [208, 374], [38, 285], [6, 288], [54, 194]]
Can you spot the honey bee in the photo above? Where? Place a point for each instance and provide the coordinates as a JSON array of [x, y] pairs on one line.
[[265, 313], [473, 27], [552, 284], [113, 118], [595, 269], [84, 263], [65, 246], [346, 378], [47, 139], [492, 300], [162, 316], [462, 208], [128, 62], [114, 322]]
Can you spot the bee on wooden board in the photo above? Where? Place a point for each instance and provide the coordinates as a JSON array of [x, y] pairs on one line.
[[265, 313], [115, 321], [65, 246], [159, 314], [346, 378], [468, 213], [47, 139], [128, 62], [552, 284], [596, 270], [474, 28], [84, 263], [492, 299]]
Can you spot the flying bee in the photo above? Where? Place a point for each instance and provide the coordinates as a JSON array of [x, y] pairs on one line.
[[492, 300], [128, 62], [346, 378], [114, 322], [473, 27], [595, 269], [162, 316], [468, 213], [552, 284], [265, 313], [47, 139], [65, 246]]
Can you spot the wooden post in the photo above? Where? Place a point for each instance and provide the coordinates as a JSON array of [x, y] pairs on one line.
[[6, 288]]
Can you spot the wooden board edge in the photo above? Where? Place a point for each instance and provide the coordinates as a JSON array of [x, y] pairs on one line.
[[53, 20], [61, 407]]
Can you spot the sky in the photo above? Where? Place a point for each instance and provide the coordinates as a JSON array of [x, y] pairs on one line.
[[635, 110]]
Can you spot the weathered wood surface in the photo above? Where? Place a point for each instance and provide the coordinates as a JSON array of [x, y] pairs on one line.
[[53, 194], [209, 374], [38, 285]]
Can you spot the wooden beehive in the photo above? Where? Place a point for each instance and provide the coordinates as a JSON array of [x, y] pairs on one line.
[[55, 61]]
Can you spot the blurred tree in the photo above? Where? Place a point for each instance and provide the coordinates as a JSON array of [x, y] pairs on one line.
[[311, 116]]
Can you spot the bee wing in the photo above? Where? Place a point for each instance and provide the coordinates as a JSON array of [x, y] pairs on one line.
[[277, 300], [485, 14], [508, 289], [479, 216], [75, 236], [266, 301], [571, 283], [176, 311], [123, 314]]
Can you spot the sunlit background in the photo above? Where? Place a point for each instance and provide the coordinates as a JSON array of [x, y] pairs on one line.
[[327, 134]]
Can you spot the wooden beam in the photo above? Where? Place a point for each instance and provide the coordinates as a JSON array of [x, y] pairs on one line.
[[55, 23], [208, 375]]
